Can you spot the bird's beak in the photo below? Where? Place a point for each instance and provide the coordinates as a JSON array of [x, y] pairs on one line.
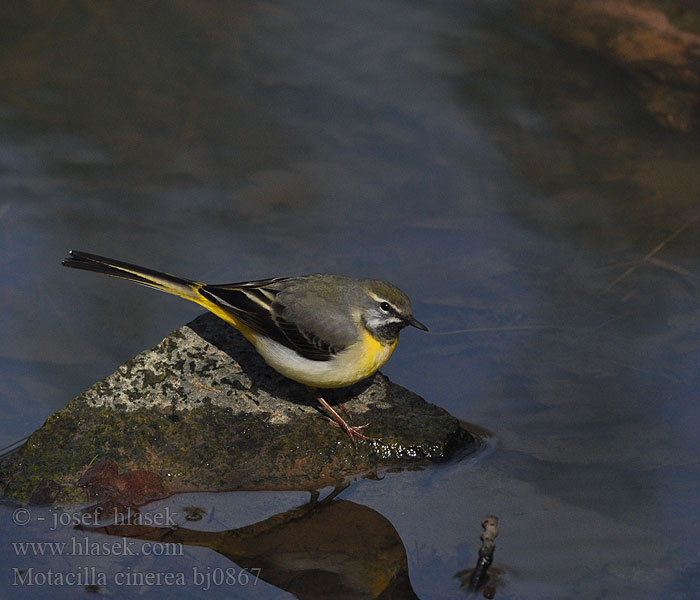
[[415, 323]]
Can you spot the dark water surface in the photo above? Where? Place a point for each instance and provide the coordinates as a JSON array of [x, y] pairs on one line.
[[545, 227]]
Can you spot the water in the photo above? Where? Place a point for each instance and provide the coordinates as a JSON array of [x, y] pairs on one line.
[[545, 227]]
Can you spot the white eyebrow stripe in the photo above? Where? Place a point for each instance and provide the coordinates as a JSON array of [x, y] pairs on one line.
[[380, 299], [375, 297]]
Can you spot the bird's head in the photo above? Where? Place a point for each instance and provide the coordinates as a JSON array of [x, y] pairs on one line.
[[386, 310]]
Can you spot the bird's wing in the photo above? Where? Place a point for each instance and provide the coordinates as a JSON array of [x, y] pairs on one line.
[[257, 305]]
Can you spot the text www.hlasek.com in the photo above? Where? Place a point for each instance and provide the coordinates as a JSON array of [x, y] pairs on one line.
[[84, 546]]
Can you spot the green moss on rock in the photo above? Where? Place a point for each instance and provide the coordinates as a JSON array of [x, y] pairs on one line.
[[203, 410]]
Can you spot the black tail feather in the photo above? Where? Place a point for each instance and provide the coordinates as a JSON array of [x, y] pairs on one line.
[[123, 270]]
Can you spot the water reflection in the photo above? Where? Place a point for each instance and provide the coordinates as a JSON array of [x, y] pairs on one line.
[[327, 546]]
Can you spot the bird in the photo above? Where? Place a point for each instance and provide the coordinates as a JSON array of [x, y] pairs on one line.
[[322, 330]]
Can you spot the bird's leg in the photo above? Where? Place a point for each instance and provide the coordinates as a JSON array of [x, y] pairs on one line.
[[353, 431], [346, 412]]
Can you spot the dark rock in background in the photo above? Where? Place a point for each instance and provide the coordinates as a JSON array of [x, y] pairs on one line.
[[656, 43]]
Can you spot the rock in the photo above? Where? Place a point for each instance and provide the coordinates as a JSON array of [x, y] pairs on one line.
[[661, 56], [203, 411], [120, 494], [45, 493]]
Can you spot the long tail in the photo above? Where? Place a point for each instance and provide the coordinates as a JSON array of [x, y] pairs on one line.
[[161, 281]]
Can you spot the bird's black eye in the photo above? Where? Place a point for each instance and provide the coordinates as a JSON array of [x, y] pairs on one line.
[[385, 306]]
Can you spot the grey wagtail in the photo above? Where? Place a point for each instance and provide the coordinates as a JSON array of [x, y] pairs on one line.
[[325, 331]]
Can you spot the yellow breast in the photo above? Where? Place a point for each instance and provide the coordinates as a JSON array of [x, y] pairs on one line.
[[374, 354], [353, 364]]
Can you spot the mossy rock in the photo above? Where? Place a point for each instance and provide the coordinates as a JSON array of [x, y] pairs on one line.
[[204, 411]]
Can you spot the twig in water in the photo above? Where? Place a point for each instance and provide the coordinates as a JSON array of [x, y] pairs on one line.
[[480, 574], [660, 246]]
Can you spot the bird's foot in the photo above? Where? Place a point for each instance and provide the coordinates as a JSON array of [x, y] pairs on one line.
[[354, 431]]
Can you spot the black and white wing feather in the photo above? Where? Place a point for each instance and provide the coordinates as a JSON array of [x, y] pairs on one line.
[[257, 304]]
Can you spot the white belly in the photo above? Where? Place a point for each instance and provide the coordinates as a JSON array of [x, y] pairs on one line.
[[347, 367]]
